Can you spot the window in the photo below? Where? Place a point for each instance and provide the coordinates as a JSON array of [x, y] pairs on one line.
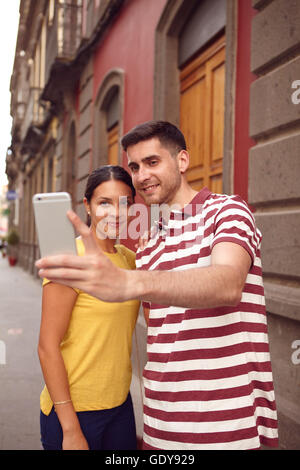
[[51, 12]]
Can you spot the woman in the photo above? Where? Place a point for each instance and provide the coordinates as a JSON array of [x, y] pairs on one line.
[[85, 344]]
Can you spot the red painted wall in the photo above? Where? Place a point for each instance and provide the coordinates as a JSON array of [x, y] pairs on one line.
[[244, 78], [130, 46]]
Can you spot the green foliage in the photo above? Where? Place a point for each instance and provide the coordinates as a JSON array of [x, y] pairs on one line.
[[6, 212], [13, 237]]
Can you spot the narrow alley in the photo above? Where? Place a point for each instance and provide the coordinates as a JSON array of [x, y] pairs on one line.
[[20, 374]]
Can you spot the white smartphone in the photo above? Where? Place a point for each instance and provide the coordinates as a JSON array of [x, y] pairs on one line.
[[55, 231]]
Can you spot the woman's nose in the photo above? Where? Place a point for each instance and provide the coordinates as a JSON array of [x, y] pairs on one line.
[[117, 210]]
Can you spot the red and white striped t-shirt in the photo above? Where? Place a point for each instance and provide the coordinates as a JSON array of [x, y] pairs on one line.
[[208, 380]]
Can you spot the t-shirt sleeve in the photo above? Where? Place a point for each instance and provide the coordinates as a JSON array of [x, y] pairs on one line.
[[47, 281], [235, 223], [130, 256]]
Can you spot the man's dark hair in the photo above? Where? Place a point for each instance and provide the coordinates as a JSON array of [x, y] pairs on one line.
[[168, 135]]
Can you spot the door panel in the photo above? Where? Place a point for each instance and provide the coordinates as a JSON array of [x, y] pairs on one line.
[[202, 115]]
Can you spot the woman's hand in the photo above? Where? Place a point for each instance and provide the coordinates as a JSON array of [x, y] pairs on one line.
[[143, 241], [74, 440]]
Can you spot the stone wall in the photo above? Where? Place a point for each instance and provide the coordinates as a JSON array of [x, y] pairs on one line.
[[274, 192]]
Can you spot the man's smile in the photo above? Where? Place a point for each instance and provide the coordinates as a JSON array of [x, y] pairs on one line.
[[149, 189]]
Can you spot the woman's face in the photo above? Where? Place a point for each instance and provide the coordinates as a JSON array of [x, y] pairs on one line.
[[108, 208]]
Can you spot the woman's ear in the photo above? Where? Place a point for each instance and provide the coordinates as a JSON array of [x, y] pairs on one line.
[[87, 206], [88, 211]]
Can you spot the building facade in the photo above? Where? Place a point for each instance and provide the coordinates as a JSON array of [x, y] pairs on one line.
[[225, 71]]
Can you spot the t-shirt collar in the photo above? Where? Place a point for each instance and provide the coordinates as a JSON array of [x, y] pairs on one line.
[[190, 209], [198, 199]]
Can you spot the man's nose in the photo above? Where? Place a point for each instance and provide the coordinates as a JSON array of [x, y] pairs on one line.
[[142, 176]]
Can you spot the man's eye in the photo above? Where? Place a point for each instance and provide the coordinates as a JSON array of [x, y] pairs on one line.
[[153, 162], [134, 169]]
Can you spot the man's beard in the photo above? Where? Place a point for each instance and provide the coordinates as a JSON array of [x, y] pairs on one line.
[[165, 192]]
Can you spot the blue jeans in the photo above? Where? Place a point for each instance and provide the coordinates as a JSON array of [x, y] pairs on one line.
[[112, 429]]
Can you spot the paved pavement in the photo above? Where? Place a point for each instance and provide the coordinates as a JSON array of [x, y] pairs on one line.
[[20, 374]]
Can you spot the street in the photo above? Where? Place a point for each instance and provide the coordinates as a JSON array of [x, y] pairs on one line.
[[21, 379]]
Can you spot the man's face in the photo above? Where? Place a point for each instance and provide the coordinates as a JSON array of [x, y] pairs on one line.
[[155, 172]]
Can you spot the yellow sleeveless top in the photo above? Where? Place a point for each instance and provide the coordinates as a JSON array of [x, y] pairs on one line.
[[97, 346]]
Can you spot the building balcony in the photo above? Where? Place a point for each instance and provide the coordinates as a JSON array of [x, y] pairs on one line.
[[63, 41], [34, 113]]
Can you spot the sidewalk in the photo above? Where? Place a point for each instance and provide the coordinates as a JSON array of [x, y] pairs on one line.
[[20, 374]]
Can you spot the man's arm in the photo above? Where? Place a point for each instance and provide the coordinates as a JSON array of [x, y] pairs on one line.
[[220, 284]]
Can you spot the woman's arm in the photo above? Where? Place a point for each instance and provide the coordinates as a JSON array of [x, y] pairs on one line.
[[57, 305]]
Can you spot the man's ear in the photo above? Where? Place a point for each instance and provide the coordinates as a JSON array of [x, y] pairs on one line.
[[183, 159]]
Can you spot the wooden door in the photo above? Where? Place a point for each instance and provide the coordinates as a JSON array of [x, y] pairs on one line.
[[202, 84], [113, 145]]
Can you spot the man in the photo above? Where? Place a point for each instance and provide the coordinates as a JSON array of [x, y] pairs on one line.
[[208, 380]]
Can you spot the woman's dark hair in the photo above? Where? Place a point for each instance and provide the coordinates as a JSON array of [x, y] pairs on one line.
[[107, 173], [168, 135]]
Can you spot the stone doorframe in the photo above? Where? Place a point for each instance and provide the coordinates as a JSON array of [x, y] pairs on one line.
[[69, 161], [166, 75]]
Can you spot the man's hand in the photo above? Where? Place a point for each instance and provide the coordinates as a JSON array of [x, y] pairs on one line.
[[143, 241], [92, 273]]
